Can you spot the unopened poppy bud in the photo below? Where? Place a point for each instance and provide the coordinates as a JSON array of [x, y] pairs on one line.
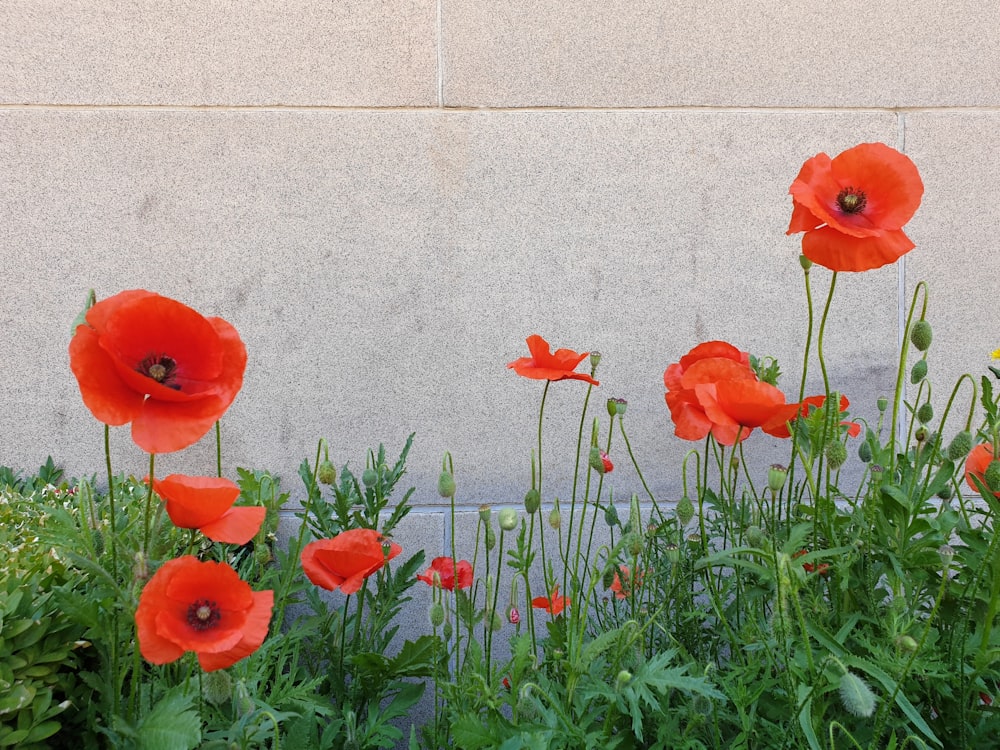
[[755, 536], [960, 446], [921, 335], [514, 617], [805, 263], [945, 492], [327, 473], [611, 515], [836, 454], [865, 452], [555, 518], [447, 630], [446, 484], [595, 360], [776, 476], [919, 371], [532, 501], [882, 403], [596, 462], [684, 511], [906, 643], [496, 621], [485, 514], [262, 554], [436, 614], [217, 687], [369, 476], [623, 678], [507, 518], [856, 696], [672, 553], [491, 539], [701, 705], [947, 553], [992, 475], [925, 413]]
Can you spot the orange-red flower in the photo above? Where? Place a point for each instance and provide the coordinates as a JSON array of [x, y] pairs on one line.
[[978, 460], [852, 208], [345, 561], [206, 504], [606, 462], [738, 406], [205, 607], [778, 425], [707, 363], [448, 575], [156, 363], [623, 586], [822, 568], [544, 365], [552, 604]]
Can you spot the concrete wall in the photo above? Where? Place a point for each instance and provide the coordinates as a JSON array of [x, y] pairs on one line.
[[386, 197]]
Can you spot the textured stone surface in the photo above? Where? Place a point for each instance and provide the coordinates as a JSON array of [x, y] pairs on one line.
[[211, 52], [728, 53], [383, 269]]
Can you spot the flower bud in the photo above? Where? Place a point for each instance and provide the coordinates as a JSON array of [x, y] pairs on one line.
[[805, 263], [836, 454], [369, 477], [776, 476], [217, 687], [608, 577], [946, 492], [555, 518], [684, 511], [446, 484], [918, 371], [921, 434], [755, 536], [436, 614], [611, 515], [495, 622], [596, 462], [532, 501], [865, 452], [98, 542], [514, 617], [262, 554], [447, 630], [920, 335], [491, 539], [327, 473], [508, 519], [140, 567], [906, 643], [622, 679], [960, 446], [925, 413], [856, 696]]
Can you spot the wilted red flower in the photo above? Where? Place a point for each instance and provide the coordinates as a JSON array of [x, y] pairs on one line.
[[345, 561], [544, 365], [206, 504], [706, 364], [156, 363], [448, 574], [778, 425], [623, 586], [552, 604], [852, 208], [205, 607], [976, 464]]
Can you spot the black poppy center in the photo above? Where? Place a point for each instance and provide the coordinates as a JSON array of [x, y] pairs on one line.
[[203, 614], [851, 200], [161, 368]]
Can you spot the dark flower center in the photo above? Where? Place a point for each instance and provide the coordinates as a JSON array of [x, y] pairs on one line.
[[160, 368], [203, 614], [851, 200]]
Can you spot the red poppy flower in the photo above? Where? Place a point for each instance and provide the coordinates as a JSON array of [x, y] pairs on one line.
[[544, 365], [606, 462], [189, 605], [822, 568], [156, 363], [448, 574], [852, 208], [345, 561], [778, 425], [552, 604], [979, 459], [707, 363], [623, 586], [206, 504], [739, 405]]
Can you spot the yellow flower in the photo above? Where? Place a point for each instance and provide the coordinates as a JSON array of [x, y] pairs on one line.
[[995, 354]]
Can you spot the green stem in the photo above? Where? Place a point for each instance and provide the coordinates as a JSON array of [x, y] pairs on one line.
[[114, 566], [149, 506], [218, 447], [900, 374]]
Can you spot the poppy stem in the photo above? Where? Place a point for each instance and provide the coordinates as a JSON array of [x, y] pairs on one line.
[[149, 506], [218, 447]]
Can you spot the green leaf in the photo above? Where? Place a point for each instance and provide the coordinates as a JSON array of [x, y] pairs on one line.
[[171, 725], [805, 716]]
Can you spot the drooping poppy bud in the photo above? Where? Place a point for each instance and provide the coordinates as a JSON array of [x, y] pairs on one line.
[[925, 413], [446, 484], [919, 371], [684, 511], [921, 335], [327, 473], [960, 446], [532, 501], [836, 454]]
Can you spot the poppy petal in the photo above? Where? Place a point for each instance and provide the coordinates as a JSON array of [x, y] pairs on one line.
[[103, 392], [841, 252], [255, 629], [236, 526], [193, 502], [164, 427]]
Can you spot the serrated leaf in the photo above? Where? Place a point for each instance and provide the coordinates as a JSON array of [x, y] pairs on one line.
[[171, 725]]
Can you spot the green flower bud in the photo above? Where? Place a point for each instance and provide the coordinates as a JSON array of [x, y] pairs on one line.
[[98, 542], [608, 577], [701, 705], [262, 554], [925, 413], [217, 687], [992, 475], [447, 631], [906, 643], [856, 696], [491, 539], [946, 492], [596, 461], [532, 501], [611, 515], [921, 434], [622, 679], [436, 614], [960, 446], [446, 484], [684, 511], [805, 263], [919, 371], [836, 454], [508, 519], [755, 536], [369, 477], [327, 473], [865, 451], [495, 622], [776, 476], [555, 518], [920, 335]]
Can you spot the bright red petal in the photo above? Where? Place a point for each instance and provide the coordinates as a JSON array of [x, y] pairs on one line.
[[193, 502], [890, 180], [164, 427], [109, 399], [255, 629], [840, 252], [236, 526]]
